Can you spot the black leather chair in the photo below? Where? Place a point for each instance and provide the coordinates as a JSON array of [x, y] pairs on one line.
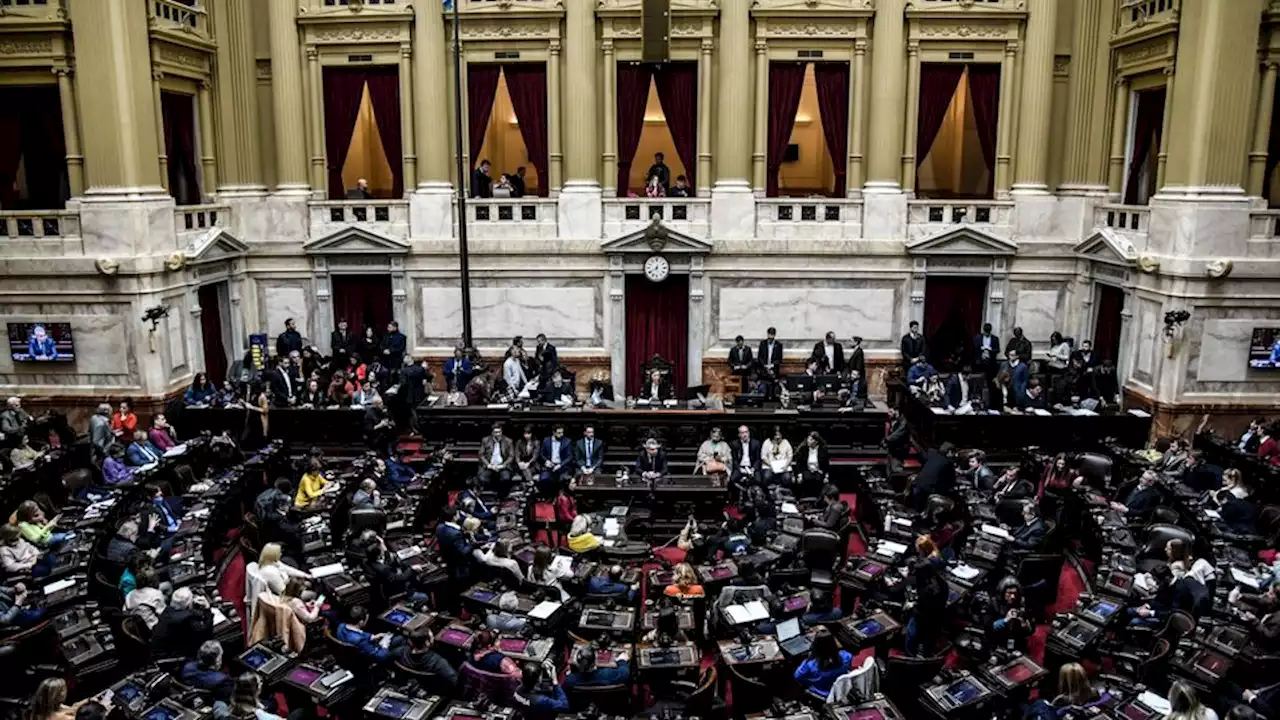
[[820, 549], [750, 695], [1152, 552], [610, 699], [1095, 469]]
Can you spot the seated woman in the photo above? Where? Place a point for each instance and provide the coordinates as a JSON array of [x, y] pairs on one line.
[[147, 601], [1058, 476], [486, 656], [303, 601], [494, 554], [685, 584], [544, 572], [312, 396], [19, 557], [115, 471], [311, 486], [1233, 486], [35, 529], [581, 538], [666, 630], [1009, 626], [1075, 691], [825, 663], [275, 574], [1185, 705], [162, 434], [201, 393], [775, 457], [1184, 563]]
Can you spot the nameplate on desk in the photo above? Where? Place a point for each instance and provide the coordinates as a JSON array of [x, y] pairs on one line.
[[326, 570], [498, 406]]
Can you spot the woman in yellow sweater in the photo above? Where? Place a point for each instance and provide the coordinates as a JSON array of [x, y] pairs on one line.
[[581, 539], [311, 486]]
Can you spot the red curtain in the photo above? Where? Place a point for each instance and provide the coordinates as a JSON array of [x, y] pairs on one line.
[[384, 94], [633, 95], [832, 80], [786, 80], [984, 91], [678, 92], [178, 114], [215, 354], [1147, 127], [343, 90], [1106, 325], [952, 316], [657, 323], [10, 153], [363, 301], [527, 86], [482, 88], [938, 83]]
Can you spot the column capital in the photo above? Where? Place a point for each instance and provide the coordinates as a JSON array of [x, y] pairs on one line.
[[1121, 81], [607, 46], [313, 52], [553, 46], [204, 84], [61, 70], [860, 46], [406, 50], [157, 75], [913, 47], [1168, 70], [1011, 48], [707, 45], [762, 47]]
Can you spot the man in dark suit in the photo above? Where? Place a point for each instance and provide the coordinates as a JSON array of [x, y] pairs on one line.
[[986, 350], [393, 346], [290, 340], [897, 438], [415, 380], [1030, 536], [379, 428], [962, 389], [657, 388], [1033, 397], [913, 345], [458, 370], [829, 354], [282, 386], [937, 476], [857, 360], [746, 457], [1019, 374], [1021, 345], [205, 672], [341, 342], [185, 623], [1088, 358], [455, 550], [497, 461], [588, 452], [545, 357], [769, 356], [652, 462], [481, 182], [518, 188], [557, 459], [857, 397], [1143, 498], [739, 357]]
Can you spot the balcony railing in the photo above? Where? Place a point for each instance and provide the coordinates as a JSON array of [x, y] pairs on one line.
[[926, 218], [388, 217], [523, 218], [1127, 218], [187, 16], [808, 219], [198, 218], [1264, 225], [1134, 13], [691, 216], [35, 224]]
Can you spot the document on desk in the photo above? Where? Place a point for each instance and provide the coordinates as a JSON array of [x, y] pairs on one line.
[[176, 450], [1142, 414], [890, 547], [940, 411], [996, 531], [407, 552], [54, 587], [611, 527], [1245, 578], [965, 572], [563, 564], [790, 509], [325, 571], [1155, 702], [1041, 412], [1212, 514], [753, 611], [903, 522], [218, 616], [544, 610]]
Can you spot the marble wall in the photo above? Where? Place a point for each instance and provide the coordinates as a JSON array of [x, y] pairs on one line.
[[281, 300], [1147, 340], [805, 314], [1036, 312], [104, 347], [1217, 344], [175, 336], [567, 314]]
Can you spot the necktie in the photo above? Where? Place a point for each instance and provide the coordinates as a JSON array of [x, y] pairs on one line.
[[588, 451]]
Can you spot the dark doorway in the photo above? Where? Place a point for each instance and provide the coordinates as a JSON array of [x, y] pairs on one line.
[[657, 324], [33, 162], [363, 301], [179, 115], [211, 331], [1144, 146], [952, 317], [1106, 322]]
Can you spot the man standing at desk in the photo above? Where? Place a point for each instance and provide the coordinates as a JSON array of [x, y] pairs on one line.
[[652, 463], [986, 348], [857, 360], [770, 355], [746, 457], [1021, 345], [913, 345], [739, 357], [829, 354], [497, 458], [588, 453]]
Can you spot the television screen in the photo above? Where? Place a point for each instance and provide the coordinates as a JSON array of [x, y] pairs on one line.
[[256, 658], [393, 707], [41, 342], [399, 617], [1264, 348]]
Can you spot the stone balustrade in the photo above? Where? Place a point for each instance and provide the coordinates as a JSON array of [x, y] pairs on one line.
[[691, 216], [1264, 225], [172, 14], [386, 217], [927, 218], [40, 233], [1131, 221], [198, 218], [517, 218], [808, 218], [1135, 13]]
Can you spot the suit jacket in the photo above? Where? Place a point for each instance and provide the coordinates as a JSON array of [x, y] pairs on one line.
[[101, 436], [280, 392], [546, 358], [858, 361], [977, 390], [414, 377], [566, 451], [664, 389], [287, 342], [739, 359], [1025, 401], [735, 446], [455, 549], [1029, 537], [1018, 377], [135, 455], [898, 437], [1141, 501], [656, 463], [550, 393], [215, 681], [1022, 346], [582, 458], [837, 357], [767, 359], [994, 355], [396, 343], [341, 344], [180, 632], [937, 474], [912, 348], [457, 373], [508, 450], [802, 458]]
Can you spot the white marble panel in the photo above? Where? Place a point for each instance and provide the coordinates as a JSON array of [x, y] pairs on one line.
[[1147, 337], [1036, 312], [176, 338], [1224, 350], [282, 303], [563, 313], [804, 314]]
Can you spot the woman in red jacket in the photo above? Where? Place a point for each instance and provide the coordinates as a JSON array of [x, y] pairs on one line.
[[1268, 449]]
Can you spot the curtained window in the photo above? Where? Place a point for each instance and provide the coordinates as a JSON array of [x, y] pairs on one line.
[[1148, 125], [507, 122], [957, 121], [362, 128], [648, 125], [178, 113], [33, 162], [807, 142]]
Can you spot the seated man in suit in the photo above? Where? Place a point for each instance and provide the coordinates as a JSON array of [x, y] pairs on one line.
[[964, 393], [1030, 536], [611, 584], [739, 357], [205, 672], [558, 390], [919, 371], [984, 478], [380, 647], [185, 623], [1033, 397], [457, 371], [497, 461], [141, 452], [937, 476], [652, 463], [658, 388], [856, 396], [586, 672], [588, 453], [557, 461], [1143, 498], [746, 458]]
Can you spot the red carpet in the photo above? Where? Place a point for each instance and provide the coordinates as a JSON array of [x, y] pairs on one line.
[[231, 585]]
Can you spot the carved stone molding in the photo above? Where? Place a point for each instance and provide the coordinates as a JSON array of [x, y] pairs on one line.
[[26, 46], [933, 30], [531, 29], [676, 5], [802, 7], [359, 33], [182, 57]]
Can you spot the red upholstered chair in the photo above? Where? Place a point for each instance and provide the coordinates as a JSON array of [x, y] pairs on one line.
[[494, 686]]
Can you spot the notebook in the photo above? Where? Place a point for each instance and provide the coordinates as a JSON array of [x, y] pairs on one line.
[[544, 610], [63, 584], [996, 531], [753, 611]]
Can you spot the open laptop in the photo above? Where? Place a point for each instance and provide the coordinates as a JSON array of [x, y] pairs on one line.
[[790, 639]]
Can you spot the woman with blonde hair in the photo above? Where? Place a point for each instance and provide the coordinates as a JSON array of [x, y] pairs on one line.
[[581, 539], [47, 702], [301, 600], [1184, 705], [1075, 689], [269, 574], [685, 584]]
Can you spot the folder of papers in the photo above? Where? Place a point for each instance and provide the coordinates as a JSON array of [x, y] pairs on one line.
[[753, 611], [996, 531], [544, 610]]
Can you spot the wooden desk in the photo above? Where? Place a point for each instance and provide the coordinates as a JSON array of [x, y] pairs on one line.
[[761, 650], [682, 655], [1010, 431]]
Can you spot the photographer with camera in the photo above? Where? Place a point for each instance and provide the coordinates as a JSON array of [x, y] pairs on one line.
[[1009, 626], [538, 695]]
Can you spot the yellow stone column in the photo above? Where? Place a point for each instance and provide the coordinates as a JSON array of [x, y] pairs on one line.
[[555, 144], [1119, 129], [1036, 100], [733, 140], [1261, 130], [581, 102], [314, 100], [609, 112], [113, 87], [240, 165], [410, 158], [857, 118], [1083, 164], [912, 119], [1213, 108], [162, 149], [287, 99], [705, 108], [759, 140], [70, 130], [888, 97], [208, 153], [432, 105], [1004, 121], [1162, 153]]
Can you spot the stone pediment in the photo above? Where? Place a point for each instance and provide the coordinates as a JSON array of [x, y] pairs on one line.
[[1108, 246], [962, 241], [213, 245], [657, 237], [356, 241]]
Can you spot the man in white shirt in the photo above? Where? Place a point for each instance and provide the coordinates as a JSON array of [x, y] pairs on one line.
[[557, 455], [829, 354], [746, 457], [588, 452], [513, 371], [775, 456]]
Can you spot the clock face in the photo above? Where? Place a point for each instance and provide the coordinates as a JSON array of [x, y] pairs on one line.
[[656, 268]]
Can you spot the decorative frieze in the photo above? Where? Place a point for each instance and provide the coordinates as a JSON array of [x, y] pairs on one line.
[[26, 46]]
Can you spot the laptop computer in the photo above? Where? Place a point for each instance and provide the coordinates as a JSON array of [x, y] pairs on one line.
[[790, 639]]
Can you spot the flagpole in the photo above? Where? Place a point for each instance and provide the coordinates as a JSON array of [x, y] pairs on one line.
[[463, 261]]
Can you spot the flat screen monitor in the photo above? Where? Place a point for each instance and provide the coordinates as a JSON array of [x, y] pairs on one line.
[[483, 596], [1134, 711], [963, 692], [513, 645], [399, 617], [256, 658], [1104, 608], [1211, 663], [303, 676], [161, 712], [128, 692], [869, 627], [466, 715], [393, 707], [864, 714], [41, 342], [871, 569], [455, 636], [599, 618], [1264, 348], [1017, 673], [663, 657]]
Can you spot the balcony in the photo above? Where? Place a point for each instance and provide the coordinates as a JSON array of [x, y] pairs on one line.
[[519, 219], [195, 219], [1136, 13], [808, 219], [35, 14], [384, 217], [1130, 221], [691, 216], [1264, 234], [185, 16], [40, 233], [928, 218]]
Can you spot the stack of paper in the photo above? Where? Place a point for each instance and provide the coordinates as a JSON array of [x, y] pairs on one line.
[[996, 531], [1155, 702], [1245, 578], [889, 547], [965, 572], [563, 564], [326, 570], [544, 610]]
